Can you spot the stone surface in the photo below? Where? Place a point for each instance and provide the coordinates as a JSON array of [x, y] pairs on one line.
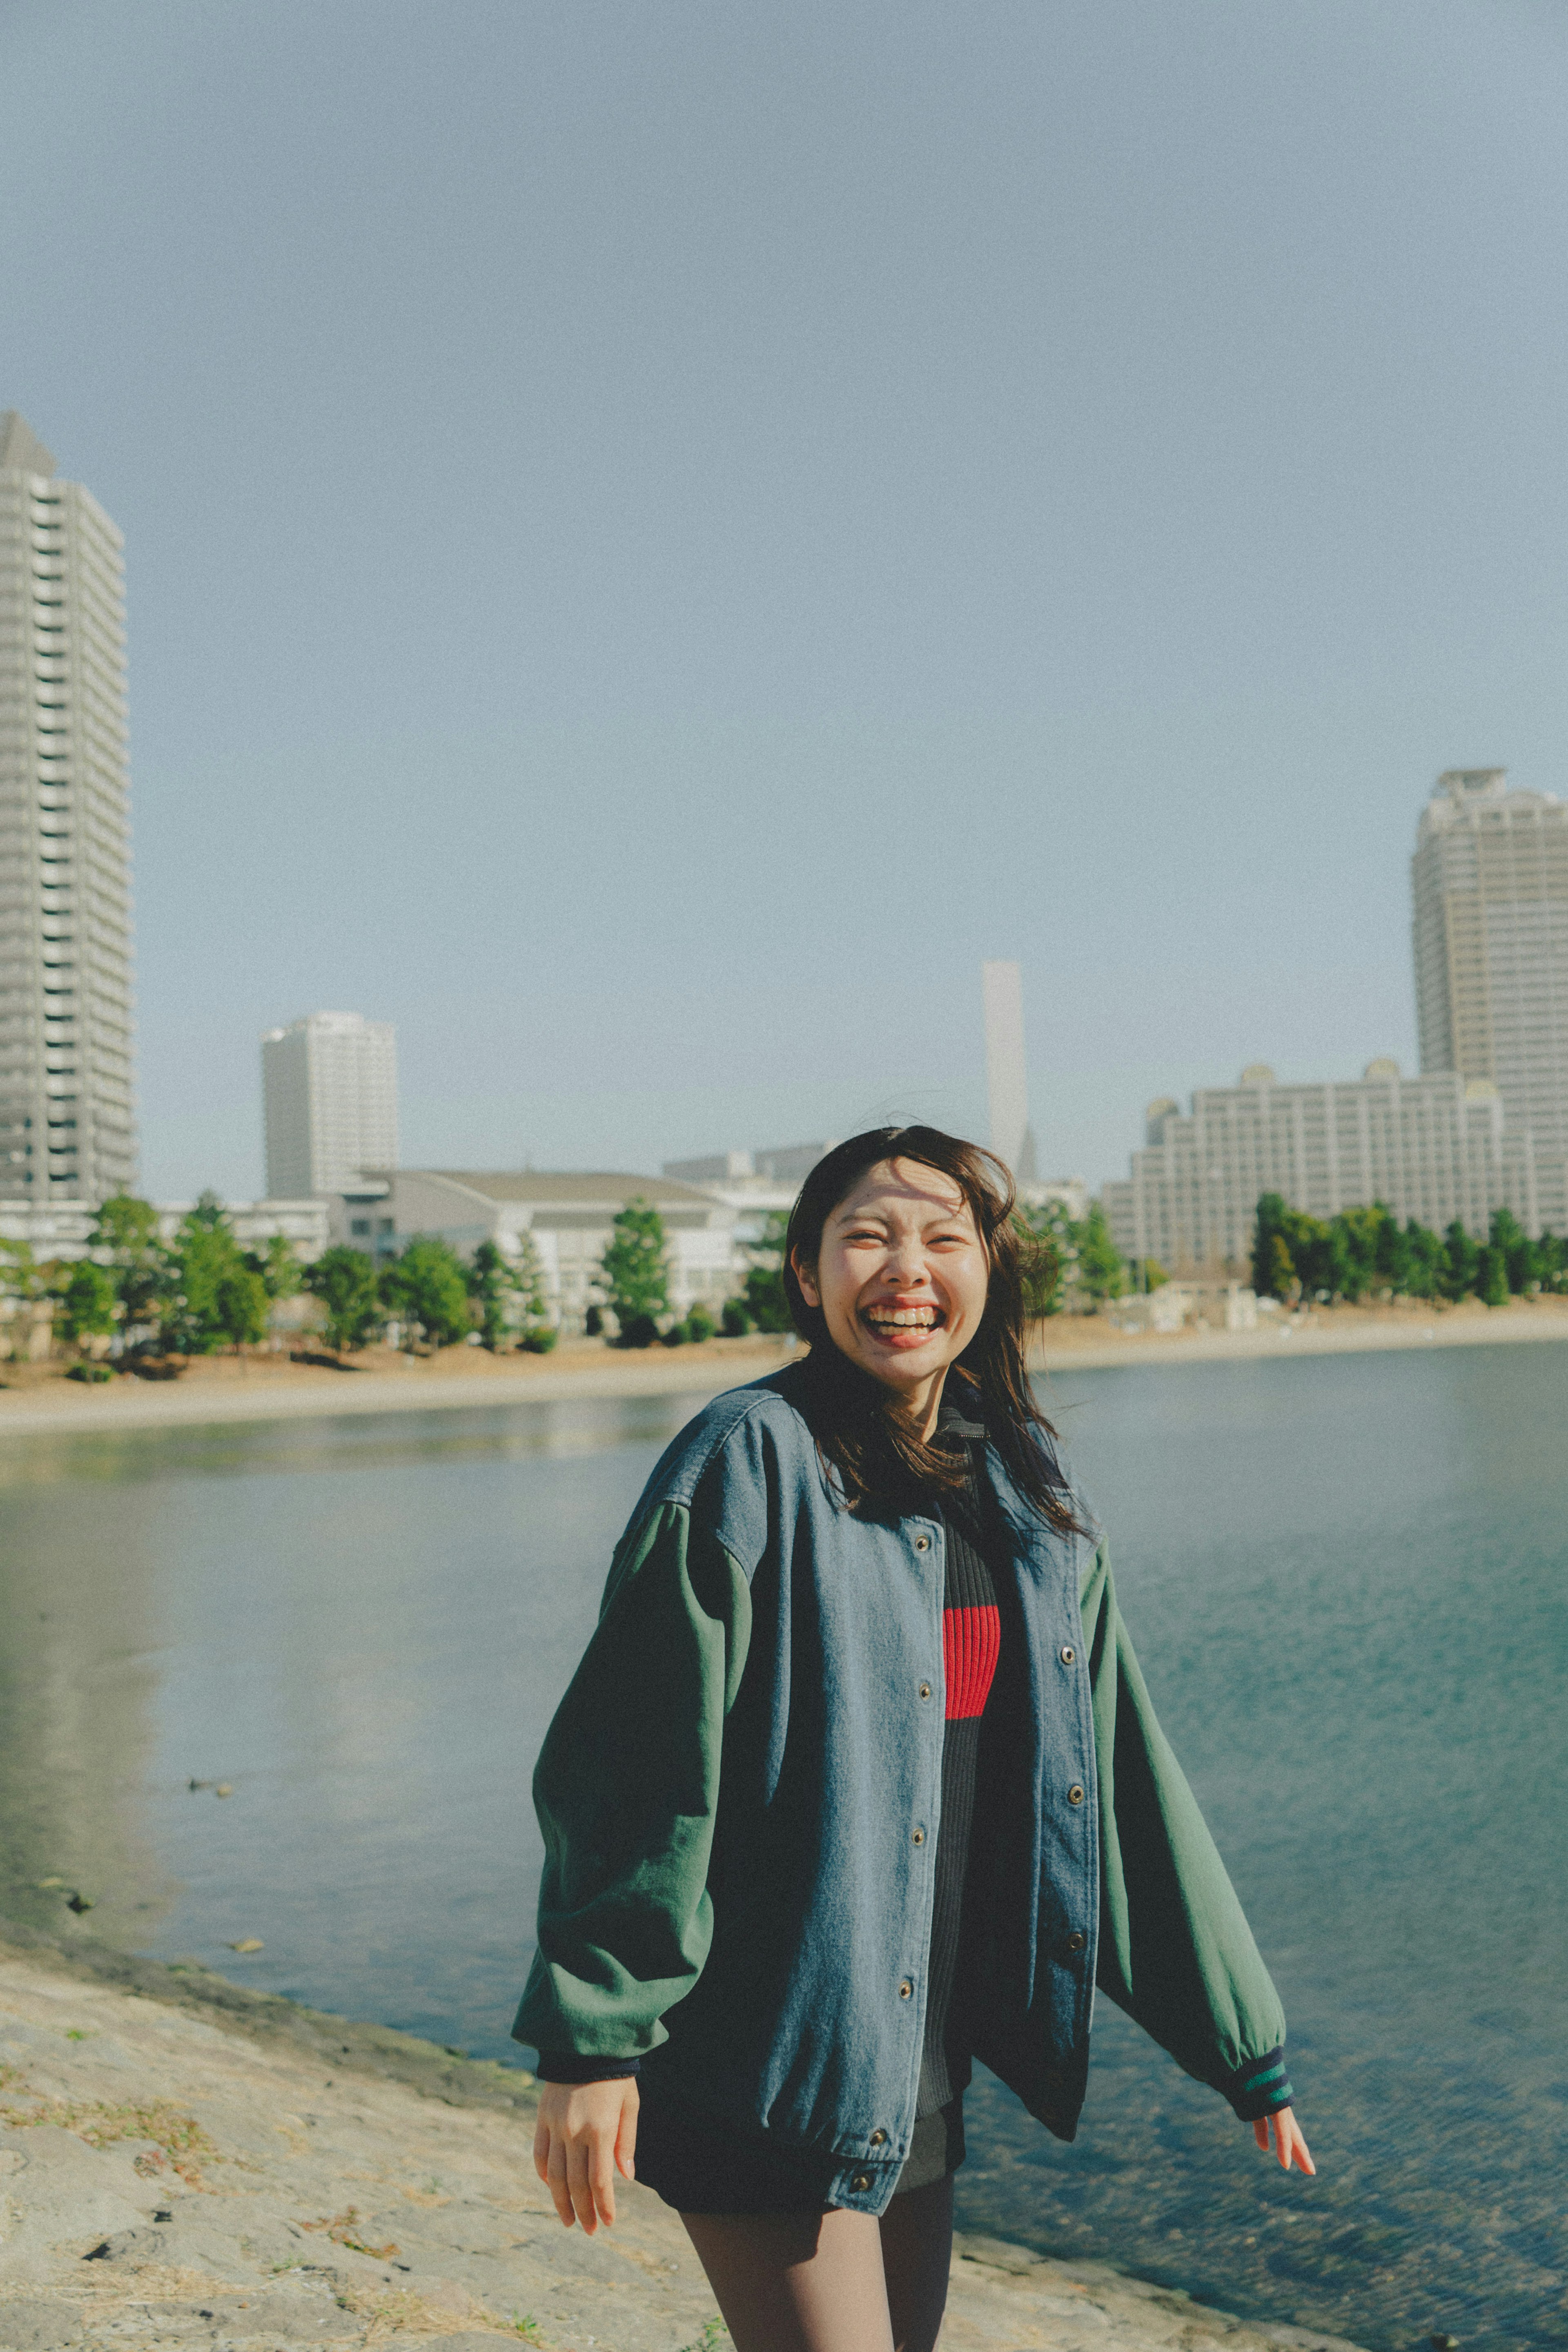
[[314, 2199]]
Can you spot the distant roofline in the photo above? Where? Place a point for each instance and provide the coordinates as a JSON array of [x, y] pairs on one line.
[[542, 1184], [21, 451]]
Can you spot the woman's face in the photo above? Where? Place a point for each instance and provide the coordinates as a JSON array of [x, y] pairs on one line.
[[900, 1278]]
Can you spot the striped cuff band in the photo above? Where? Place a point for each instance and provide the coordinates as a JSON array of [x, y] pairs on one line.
[[1262, 2087]]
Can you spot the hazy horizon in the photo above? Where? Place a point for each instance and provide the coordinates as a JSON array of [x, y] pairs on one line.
[[657, 541]]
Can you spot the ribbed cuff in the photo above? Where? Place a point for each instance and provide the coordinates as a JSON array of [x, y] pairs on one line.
[[1262, 2087], [572, 2067]]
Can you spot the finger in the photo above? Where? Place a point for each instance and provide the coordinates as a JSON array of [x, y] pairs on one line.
[[581, 2187], [1260, 2132], [601, 2178], [541, 2151], [1303, 2153], [626, 2141], [556, 2182]]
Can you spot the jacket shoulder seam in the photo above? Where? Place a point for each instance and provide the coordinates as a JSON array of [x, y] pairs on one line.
[[688, 1471]]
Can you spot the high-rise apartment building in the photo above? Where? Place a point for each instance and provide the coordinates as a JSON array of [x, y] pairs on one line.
[[1490, 880], [329, 1092], [68, 1123]]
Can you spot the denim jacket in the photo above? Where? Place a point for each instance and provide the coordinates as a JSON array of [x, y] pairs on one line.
[[739, 1797]]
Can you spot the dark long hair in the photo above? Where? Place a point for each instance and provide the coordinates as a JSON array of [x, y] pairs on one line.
[[879, 1460]]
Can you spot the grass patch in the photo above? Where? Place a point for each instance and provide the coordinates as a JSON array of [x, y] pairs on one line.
[[344, 2230], [177, 2138]]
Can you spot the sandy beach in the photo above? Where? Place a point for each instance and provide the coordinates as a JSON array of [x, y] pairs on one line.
[[36, 1399], [184, 2163]]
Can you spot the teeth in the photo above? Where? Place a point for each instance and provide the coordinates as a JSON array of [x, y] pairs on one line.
[[903, 1317]]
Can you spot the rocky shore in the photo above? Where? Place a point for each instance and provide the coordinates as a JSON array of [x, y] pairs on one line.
[[184, 2164]]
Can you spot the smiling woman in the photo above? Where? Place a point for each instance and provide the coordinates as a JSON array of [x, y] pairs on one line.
[[858, 1782], [897, 1267]]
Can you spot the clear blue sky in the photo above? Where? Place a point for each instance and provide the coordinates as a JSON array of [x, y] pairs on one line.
[[660, 536]]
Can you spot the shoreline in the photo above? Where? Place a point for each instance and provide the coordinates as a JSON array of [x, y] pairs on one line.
[[267, 1389], [240, 2171]]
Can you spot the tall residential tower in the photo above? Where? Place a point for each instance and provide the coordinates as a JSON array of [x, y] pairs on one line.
[[330, 1090], [68, 1123], [1489, 878]]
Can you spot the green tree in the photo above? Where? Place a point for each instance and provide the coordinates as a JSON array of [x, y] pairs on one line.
[[492, 1284], [763, 1293], [1509, 1236], [344, 1280], [1281, 1282], [22, 1282], [1551, 1262], [1274, 1268], [634, 1271], [1048, 1249], [1100, 1267], [125, 1236], [529, 1275], [1463, 1261], [244, 1305], [1425, 1262], [124, 1228], [1491, 1277], [279, 1267], [198, 1310], [1365, 1251], [427, 1286], [1319, 1255], [88, 1303]]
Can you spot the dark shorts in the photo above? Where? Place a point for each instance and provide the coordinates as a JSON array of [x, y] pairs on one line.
[[696, 2171]]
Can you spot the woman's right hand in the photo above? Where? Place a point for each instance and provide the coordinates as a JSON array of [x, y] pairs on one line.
[[587, 2132]]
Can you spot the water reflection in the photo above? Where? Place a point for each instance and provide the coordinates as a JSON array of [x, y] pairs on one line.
[[1347, 1579]]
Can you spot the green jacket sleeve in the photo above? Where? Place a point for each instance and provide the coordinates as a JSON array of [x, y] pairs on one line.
[[626, 1789], [1176, 1951]]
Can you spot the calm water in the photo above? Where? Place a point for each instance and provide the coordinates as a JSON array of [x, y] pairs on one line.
[[1346, 1580]]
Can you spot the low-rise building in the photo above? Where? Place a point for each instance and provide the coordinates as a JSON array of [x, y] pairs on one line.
[[1436, 1148], [568, 1218], [62, 1229]]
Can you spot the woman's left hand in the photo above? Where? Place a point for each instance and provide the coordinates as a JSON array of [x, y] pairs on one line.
[[1288, 2145]]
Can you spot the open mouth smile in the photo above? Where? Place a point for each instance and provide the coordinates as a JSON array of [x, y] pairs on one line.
[[902, 1327]]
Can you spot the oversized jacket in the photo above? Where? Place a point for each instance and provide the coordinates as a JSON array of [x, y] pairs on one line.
[[741, 1792]]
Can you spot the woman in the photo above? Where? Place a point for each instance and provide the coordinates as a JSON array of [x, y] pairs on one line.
[[859, 1781]]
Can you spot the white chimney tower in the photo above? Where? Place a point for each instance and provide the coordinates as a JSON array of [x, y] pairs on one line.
[[1007, 1073]]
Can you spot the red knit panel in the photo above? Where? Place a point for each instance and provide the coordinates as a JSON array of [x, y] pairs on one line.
[[971, 1644]]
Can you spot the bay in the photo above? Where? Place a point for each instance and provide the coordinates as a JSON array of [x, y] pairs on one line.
[[1347, 1579]]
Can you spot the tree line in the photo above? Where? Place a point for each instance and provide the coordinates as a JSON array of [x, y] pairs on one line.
[[200, 1291], [1366, 1253]]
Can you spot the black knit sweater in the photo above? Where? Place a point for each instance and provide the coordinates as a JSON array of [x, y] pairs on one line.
[[971, 1645]]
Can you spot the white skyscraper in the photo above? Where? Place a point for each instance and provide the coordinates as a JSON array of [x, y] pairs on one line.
[[1490, 880], [1007, 1073], [68, 1122], [330, 1089]]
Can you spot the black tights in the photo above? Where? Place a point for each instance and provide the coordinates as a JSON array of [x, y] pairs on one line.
[[834, 2282]]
